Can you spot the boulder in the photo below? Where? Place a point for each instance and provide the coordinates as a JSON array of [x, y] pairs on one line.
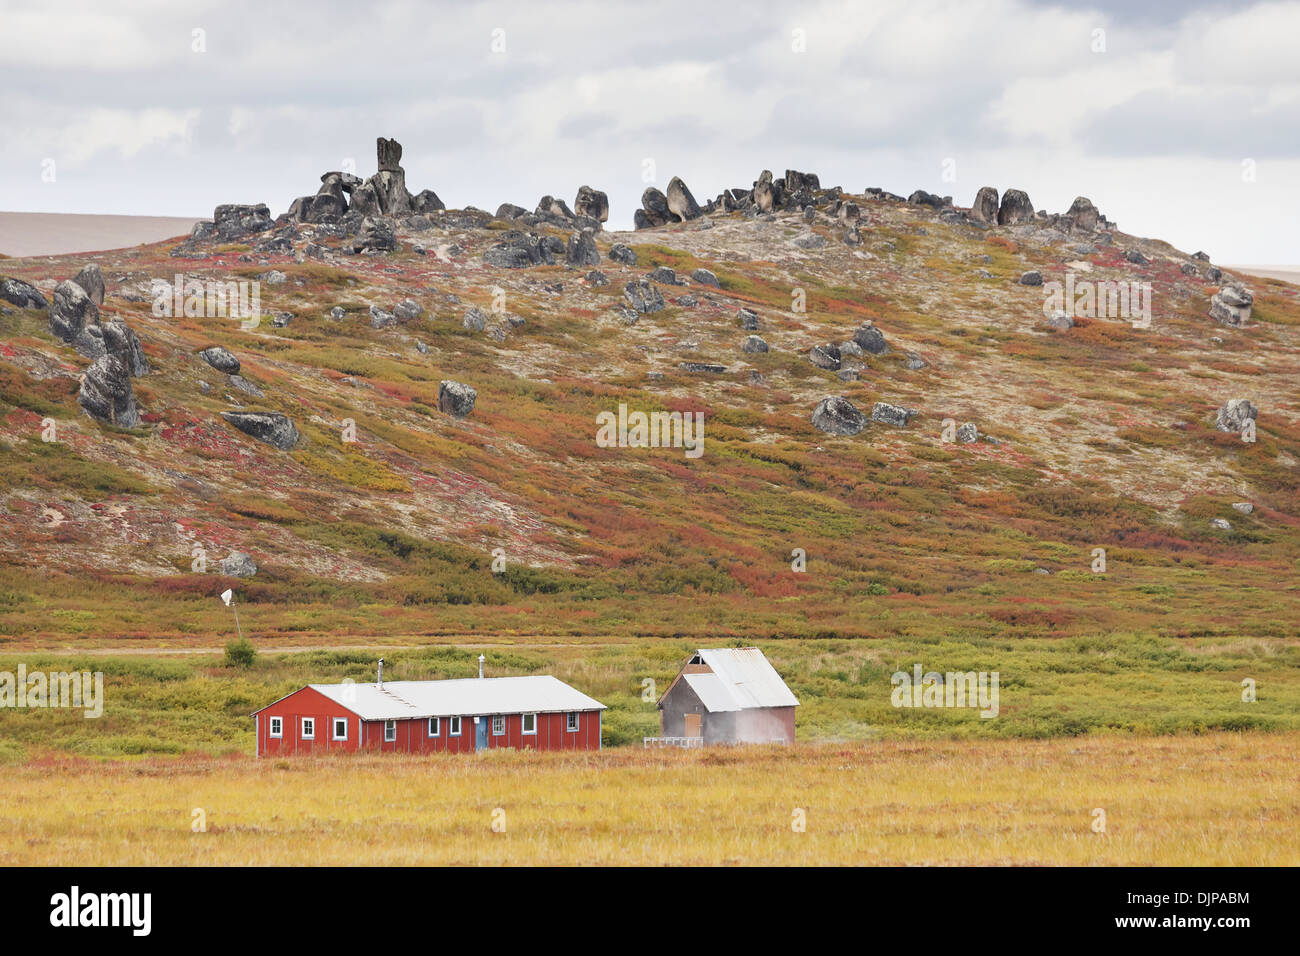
[[426, 200], [518, 251], [591, 202], [923, 198], [381, 318], [622, 254], [753, 344], [106, 392], [836, 415], [1136, 257], [596, 278], [888, 414], [475, 319], [968, 433], [680, 201], [365, 201], [272, 428], [389, 154], [826, 356], [1231, 305], [120, 340], [72, 312], [654, 209], [582, 250], [767, 196], [234, 221], [238, 564], [323, 207], [748, 319], [508, 210], [1222, 524], [91, 279], [915, 362], [848, 212], [710, 368], [408, 310], [1083, 215], [985, 206], [643, 296], [1060, 319], [1189, 269], [809, 240], [22, 294], [375, 235], [550, 207], [1245, 507], [1234, 413], [390, 191], [705, 277], [664, 275], [1015, 208], [1033, 277], [871, 340], [456, 399]]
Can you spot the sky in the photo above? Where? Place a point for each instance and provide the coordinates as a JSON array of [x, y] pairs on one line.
[[1180, 121]]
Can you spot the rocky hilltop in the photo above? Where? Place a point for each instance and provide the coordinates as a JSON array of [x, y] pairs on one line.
[[935, 408]]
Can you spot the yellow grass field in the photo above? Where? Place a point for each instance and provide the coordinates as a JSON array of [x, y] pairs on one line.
[[1221, 799]]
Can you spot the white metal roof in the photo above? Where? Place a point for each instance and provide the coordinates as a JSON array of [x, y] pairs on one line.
[[713, 694], [471, 696], [746, 677]]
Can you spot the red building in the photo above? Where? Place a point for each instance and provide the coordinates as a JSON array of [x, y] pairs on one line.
[[539, 713]]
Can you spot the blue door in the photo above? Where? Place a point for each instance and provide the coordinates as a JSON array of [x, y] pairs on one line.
[[481, 733]]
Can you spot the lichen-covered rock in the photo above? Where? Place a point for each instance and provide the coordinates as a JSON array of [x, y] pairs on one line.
[[705, 277], [120, 340], [72, 311], [836, 415], [968, 433], [517, 250], [748, 319], [680, 201], [888, 414], [871, 340], [1060, 319], [91, 279], [475, 319], [1083, 215], [238, 564], [456, 399], [643, 296], [1232, 305], [826, 356], [22, 294], [408, 310], [222, 359], [1234, 413], [272, 428], [985, 206], [1015, 208], [375, 235], [582, 250], [622, 254], [1033, 277], [233, 221], [664, 276], [592, 203], [106, 392], [753, 345]]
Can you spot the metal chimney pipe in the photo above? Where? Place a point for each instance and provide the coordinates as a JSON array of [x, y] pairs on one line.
[[481, 659], [381, 672]]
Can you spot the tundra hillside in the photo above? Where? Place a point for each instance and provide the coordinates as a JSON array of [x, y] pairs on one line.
[[908, 432]]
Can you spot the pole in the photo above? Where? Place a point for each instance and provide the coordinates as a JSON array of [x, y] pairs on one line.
[[237, 627]]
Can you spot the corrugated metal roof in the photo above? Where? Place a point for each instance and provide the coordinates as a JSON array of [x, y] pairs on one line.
[[748, 678], [451, 698], [713, 694]]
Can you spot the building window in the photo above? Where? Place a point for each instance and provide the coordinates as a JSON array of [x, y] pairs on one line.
[[530, 723], [390, 730], [309, 728], [454, 729], [571, 721], [340, 728], [435, 726], [277, 726], [498, 726]]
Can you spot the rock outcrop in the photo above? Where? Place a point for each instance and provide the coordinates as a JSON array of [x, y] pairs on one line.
[[238, 564], [1231, 305], [591, 203], [456, 399], [1015, 208], [680, 201], [1234, 413], [272, 428], [91, 279], [106, 393], [836, 415], [985, 207], [22, 294]]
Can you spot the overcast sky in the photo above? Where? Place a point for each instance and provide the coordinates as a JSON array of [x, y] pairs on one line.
[[1180, 121]]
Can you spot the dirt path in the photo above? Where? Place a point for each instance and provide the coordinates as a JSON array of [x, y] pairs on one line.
[[301, 649]]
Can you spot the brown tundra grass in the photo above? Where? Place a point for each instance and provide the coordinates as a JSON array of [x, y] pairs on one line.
[[1221, 799]]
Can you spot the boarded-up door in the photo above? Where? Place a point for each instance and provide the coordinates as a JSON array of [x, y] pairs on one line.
[[692, 725]]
